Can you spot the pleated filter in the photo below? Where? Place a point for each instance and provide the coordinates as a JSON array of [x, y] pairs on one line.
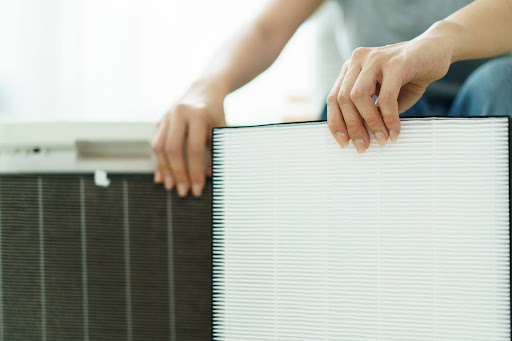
[[405, 242]]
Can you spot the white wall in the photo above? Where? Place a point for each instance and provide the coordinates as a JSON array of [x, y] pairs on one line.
[[130, 59]]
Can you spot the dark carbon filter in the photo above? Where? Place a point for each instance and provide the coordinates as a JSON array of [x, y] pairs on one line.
[[80, 262]]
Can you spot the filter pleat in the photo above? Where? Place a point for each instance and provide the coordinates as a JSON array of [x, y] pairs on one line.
[[405, 242]]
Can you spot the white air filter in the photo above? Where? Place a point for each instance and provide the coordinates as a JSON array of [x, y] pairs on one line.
[[405, 242]]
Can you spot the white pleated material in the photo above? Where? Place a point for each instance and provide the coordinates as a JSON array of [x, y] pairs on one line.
[[405, 242]]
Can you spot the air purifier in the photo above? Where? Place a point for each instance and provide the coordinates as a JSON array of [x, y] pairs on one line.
[[90, 248]]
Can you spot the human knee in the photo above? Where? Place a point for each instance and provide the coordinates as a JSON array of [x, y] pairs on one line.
[[488, 90]]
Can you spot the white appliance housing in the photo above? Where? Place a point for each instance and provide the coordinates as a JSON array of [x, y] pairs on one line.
[[76, 146]]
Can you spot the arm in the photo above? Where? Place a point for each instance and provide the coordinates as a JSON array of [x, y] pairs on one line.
[[252, 51], [399, 74], [481, 29]]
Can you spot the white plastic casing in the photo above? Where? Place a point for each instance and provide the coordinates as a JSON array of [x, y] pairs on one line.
[[76, 147]]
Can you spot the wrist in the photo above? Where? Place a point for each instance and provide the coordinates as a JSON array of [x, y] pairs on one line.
[[210, 86], [453, 36]]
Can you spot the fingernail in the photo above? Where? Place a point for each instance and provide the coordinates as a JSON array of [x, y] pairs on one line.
[[381, 138], [360, 145], [342, 139], [182, 189], [197, 189], [158, 177], [169, 182], [393, 135]]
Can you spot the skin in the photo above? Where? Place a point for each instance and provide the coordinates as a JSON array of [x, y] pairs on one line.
[[399, 74], [396, 74], [184, 131]]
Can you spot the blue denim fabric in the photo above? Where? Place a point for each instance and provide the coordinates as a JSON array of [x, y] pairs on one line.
[[486, 92]]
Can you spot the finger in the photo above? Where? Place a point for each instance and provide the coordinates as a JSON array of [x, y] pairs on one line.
[[361, 95], [334, 118], [209, 170], [163, 172], [353, 120], [196, 142], [158, 177], [210, 156], [174, 152], [388, 102]]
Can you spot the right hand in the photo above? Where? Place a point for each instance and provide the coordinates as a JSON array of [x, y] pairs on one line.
[[181, 139], [397, 74]]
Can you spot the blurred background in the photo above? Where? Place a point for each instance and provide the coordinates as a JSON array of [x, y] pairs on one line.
[[130, 59]]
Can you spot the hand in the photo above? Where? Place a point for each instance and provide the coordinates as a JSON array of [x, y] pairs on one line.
[[186, 129], [397, 75]]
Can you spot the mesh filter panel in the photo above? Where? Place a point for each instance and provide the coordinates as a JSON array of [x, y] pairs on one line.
[[406, 242], [81, 262]]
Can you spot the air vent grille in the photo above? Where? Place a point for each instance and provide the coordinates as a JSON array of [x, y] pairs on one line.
[[81, 262]]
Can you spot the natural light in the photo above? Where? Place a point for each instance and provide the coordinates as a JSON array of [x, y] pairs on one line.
[[130, 59]]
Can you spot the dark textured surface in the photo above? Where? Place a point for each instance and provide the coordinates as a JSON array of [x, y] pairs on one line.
[[63, 259], [104, 218], [21, 290], [191, 311], [127, 262], [150, 273]]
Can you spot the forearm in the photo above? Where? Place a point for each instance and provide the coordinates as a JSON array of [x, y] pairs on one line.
[[479, 30], [241, 59], [257, 46]]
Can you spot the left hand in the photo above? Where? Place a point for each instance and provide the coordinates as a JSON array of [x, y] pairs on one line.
[[397, 75]]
